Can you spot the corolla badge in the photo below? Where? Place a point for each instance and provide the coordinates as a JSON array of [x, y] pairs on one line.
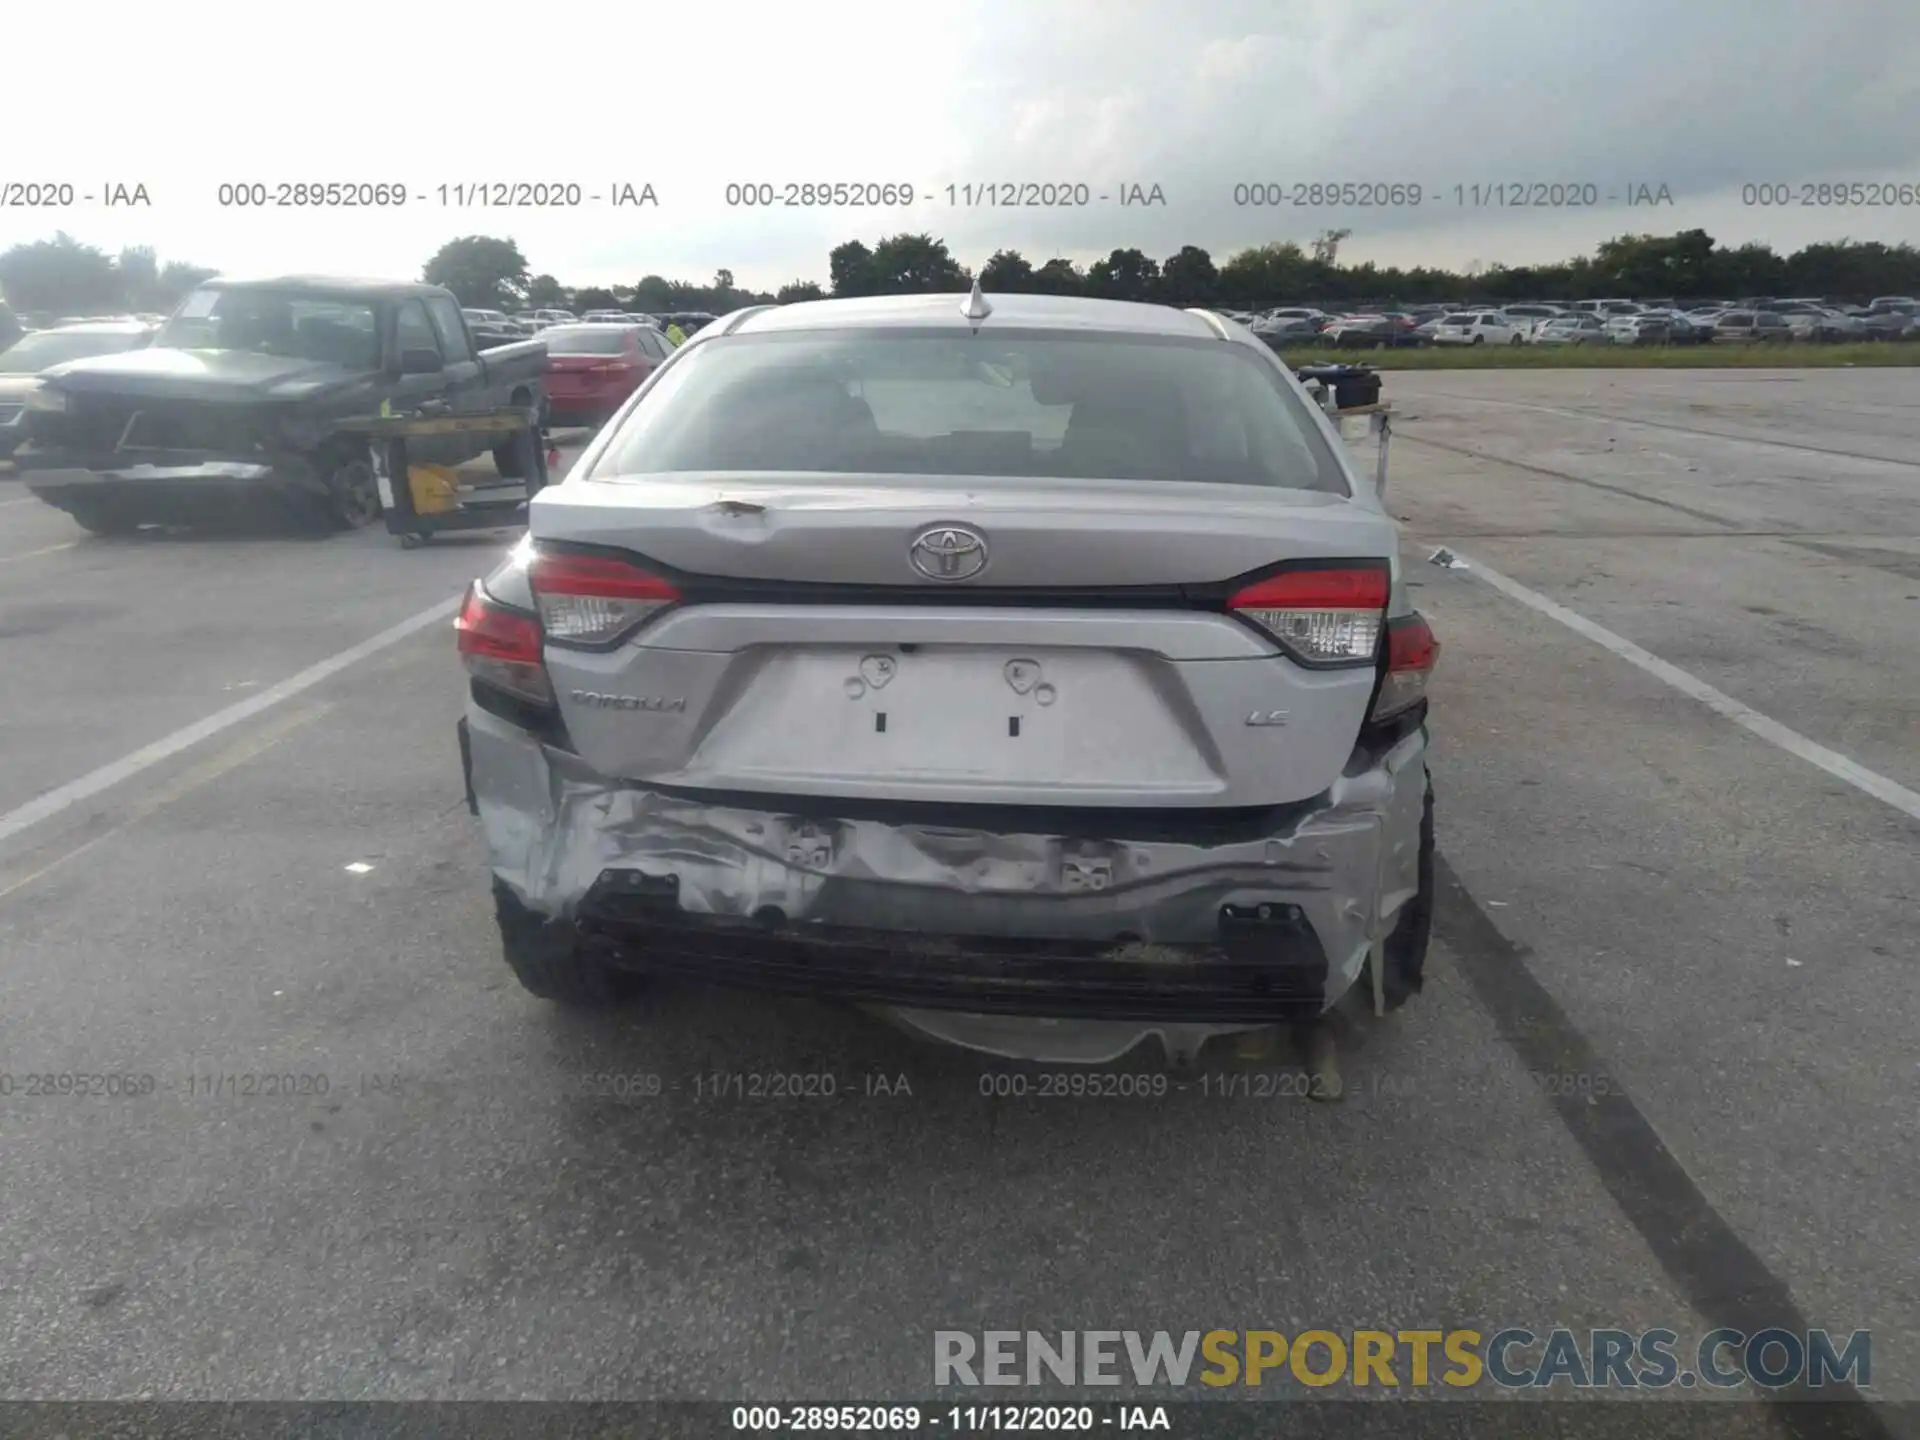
[[948, 552], [658, 704]]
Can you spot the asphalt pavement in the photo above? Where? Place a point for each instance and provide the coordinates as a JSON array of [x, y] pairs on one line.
[[1663, 1073]]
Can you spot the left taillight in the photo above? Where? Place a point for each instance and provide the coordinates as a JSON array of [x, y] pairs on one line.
[[1328, 615], [501, 648], [594, 601]]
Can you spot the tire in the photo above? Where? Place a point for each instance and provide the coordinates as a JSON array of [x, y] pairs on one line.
[[551, 963], [1407, 945], [1514, 341], [508, 461], [102, 518], [352, 499], [1479, 339]]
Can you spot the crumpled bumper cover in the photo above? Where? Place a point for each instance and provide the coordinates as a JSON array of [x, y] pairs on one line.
[[1195, 928]]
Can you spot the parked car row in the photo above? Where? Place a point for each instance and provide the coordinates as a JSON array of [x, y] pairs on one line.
[[1590, 322]]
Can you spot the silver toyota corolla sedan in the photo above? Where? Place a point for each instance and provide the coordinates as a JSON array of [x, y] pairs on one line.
[[1035, 671]]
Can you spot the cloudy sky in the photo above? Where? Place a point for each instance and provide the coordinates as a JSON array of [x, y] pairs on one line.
[[1194, 96]]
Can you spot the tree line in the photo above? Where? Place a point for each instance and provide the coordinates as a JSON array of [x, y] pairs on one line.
[[490, 272], [64, 276]]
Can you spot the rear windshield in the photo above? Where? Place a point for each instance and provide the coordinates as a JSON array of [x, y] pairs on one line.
[[597, 340], [1016, 404]]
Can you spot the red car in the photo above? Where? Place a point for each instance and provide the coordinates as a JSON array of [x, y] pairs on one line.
[[592, 369]]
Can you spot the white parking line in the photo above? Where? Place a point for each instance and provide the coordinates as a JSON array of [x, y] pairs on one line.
[[1792, 741], [107, 776], [44, 550]]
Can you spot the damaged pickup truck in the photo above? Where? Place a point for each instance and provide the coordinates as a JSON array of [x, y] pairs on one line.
[[1036, 672], [239, 404]]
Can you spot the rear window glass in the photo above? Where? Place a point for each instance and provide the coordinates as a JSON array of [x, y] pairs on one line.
[[594, 340], [1046, 406]]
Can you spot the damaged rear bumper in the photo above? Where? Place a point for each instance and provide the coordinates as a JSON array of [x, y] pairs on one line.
[[1191, 921]]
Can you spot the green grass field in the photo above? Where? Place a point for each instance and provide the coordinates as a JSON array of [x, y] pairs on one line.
[[1618, 357]]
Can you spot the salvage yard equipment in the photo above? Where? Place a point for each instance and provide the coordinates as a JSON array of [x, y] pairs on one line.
[[432, 499]]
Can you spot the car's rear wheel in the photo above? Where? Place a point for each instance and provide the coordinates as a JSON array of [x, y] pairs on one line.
[[1407, 944], [1515, 340], [549, 960], [1479, 339]]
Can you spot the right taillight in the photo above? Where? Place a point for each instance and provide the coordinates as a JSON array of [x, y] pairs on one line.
[[501, 648], [595, 601], [1412, 651]]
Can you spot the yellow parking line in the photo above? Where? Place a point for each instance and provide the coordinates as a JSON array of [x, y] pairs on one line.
[[29, 554], [231, 758]]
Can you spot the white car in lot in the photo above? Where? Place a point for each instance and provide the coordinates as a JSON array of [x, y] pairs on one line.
[[1478, 327], [1529, 316], [1605, 310], [1570, 330]]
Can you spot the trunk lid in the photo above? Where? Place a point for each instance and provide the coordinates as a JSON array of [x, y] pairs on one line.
[[1043, 534], [1091, 662]]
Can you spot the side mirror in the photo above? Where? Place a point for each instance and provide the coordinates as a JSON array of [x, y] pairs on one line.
[[421, 362]]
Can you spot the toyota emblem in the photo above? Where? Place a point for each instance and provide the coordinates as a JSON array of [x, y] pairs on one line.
[[948, 552]]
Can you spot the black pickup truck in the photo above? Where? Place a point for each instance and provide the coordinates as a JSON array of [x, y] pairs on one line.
[[245, 401]]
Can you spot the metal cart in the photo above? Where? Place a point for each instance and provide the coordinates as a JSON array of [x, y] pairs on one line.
[[1379, 418], [485, 507]]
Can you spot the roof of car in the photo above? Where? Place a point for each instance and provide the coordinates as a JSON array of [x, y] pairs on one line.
[[331, 284], [1063, 312]]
